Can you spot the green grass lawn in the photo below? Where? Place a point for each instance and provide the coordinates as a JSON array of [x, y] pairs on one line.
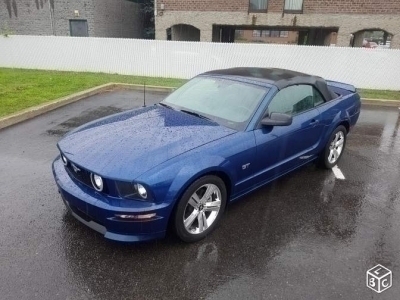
[[21, 88], [379, 94]]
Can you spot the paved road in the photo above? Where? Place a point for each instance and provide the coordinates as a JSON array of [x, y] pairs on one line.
[[306, 236]]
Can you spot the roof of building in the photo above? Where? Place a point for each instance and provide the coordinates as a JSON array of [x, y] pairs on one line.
[[280, 78]]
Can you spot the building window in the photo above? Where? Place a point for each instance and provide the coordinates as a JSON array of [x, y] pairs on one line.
[[78, 28], [256, 33], [294, 6], [266, 33], [258, 5], [284, 34], [274, 33]]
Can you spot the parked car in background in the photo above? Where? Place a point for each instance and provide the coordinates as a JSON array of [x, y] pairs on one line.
[[368, 44], [220, 136], [384, 46]]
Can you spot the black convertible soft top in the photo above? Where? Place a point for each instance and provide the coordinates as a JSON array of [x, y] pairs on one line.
[[280, 78]]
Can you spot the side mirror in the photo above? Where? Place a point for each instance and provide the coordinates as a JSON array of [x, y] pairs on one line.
[[277, 119]]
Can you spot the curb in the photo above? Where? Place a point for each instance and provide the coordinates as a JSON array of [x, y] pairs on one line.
[[380, 102], [139, 87], [35, 111]]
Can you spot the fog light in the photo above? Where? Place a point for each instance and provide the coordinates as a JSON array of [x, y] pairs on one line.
[[141, 190], [64, 160], [97, 182], [136, 217]]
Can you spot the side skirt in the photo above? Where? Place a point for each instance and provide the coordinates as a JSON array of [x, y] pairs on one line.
[[236, 197]]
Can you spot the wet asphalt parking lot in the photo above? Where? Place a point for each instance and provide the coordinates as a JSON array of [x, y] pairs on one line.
[[308, 235]]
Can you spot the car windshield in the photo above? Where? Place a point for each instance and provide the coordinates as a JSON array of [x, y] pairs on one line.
[[229, 103]]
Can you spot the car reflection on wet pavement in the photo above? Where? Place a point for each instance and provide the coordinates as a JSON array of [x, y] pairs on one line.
[[308, 235]]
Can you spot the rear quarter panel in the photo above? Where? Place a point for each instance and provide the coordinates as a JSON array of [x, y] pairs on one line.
[[343, 110]]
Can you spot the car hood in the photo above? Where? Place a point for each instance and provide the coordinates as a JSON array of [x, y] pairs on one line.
[[125, 145]]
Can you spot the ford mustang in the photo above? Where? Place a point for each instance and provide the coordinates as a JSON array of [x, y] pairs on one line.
[[179, 163]]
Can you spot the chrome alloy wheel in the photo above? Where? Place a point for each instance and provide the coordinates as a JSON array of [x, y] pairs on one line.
[[336, 147], [202, 209]]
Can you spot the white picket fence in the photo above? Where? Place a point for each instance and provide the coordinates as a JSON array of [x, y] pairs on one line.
[[365, 68]]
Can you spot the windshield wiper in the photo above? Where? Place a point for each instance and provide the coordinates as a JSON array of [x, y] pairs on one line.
[[195, 114], [166, 105]]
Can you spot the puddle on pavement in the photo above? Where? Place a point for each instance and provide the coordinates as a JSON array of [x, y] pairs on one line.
[[83, 118]]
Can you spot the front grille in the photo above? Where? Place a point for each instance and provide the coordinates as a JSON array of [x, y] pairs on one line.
[[79, 174]]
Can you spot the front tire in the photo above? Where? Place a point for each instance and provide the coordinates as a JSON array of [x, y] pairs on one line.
[[200, 208], [334, 148]]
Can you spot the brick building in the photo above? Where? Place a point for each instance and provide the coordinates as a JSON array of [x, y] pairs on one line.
[[317, 22], [266, 36], [97, 18]]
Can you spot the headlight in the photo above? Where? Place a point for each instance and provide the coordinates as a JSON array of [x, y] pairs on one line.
[[64, 160], [134, 191], [97, 182], [141, 190]]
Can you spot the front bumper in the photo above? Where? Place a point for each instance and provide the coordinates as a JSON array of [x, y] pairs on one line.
[[98, 211]]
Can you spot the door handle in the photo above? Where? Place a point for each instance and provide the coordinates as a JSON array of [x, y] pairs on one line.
[[314, 122]]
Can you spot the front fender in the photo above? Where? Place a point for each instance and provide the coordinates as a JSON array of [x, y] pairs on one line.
[[169, 181], [179, 185]]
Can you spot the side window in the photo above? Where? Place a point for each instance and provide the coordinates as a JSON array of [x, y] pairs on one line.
[[318, 99], [293, 100]]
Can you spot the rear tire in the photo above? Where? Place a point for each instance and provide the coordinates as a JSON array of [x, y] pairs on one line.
[[334, 149], [200, 208]]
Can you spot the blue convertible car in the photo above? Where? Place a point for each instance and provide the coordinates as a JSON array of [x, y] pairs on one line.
[[218, 137]]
